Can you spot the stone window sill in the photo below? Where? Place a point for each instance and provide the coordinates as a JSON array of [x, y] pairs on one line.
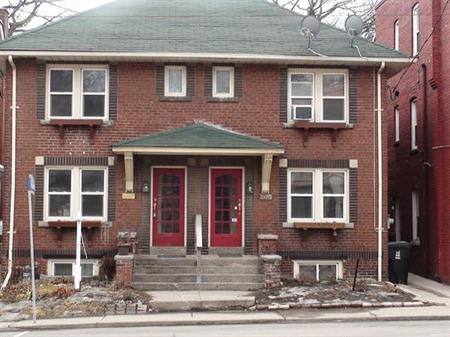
[[223, 100], [321, 225], [175, 99]]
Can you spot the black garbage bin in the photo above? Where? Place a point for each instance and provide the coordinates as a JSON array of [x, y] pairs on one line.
[[399, 261]]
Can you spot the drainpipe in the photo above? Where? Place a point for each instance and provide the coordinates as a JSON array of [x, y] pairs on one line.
[[13, 171], [380, 174]]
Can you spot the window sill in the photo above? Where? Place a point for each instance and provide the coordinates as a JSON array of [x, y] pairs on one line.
[[62, 124], [62, 225], [334, 128], [223, 99], [175, 99], [322, 225]]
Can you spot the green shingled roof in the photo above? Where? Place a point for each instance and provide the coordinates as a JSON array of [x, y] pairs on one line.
[[190, 26], [200, 135]]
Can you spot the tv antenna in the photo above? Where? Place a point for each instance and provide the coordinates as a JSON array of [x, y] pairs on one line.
[[354, 26], [310, 27]]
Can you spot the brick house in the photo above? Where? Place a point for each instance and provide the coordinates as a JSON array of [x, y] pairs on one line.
[[151, 118], [419, 131]]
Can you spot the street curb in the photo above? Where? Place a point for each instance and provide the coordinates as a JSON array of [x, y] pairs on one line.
[[281, 320]]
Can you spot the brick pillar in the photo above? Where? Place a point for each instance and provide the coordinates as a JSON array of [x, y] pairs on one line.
[[124, 270], [267, 244], [272, 270]]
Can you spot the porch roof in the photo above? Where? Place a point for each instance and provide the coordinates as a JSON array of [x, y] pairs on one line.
[[199, 138]]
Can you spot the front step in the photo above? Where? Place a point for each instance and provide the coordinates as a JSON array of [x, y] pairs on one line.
[[222, 286], [216, 273]]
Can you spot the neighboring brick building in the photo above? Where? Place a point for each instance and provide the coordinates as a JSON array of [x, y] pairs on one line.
[[419, 170], [146, 114]]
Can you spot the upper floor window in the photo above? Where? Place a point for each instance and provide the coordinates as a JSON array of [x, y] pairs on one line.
[[223, 82], [71, 191], [318, 95], [414, 124], [175, 81], [415, 215], [318, 195], [415, 29], [397, 124], [397, 34], [77, 92]]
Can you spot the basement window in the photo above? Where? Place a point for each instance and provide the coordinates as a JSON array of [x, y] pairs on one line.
[[66, 268], [318, 270]]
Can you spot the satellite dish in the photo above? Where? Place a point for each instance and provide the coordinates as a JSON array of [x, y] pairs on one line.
[[354, 25], [310, 27]]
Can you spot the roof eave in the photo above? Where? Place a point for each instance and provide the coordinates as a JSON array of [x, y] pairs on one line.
[[197, 151]]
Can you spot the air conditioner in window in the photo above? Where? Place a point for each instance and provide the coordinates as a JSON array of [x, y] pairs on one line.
[[301, 113]]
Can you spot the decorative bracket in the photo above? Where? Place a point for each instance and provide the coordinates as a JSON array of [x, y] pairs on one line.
[[129, 175], [265, 176]]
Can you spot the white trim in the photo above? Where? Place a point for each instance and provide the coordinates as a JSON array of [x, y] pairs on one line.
[[231, 84], [242, 168], [415, 214], [167, 91], [196, 151], [51, 266], [318, 195], [338, 263], [413, 111], [415, 21], [397, 34], [397, 123], [75, 193], [317, 95], [185, 168], [218, 57], [77, 90]]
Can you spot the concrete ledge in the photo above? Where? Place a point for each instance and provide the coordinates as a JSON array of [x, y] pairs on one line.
[[267, 237], [124, 257], [271, 258]]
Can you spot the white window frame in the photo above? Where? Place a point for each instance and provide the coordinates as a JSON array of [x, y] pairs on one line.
[[77, 91], [317, 263], [291, 96], [397, 123], [214, 79], [318, 97], [76, 194], [415, 214], [413, 108], [415, 29], [397, 34], [51, 266], [318, 195], [167, 91]]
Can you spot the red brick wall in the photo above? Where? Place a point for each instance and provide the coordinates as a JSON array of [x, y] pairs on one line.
[[140, 112], [407, 171]]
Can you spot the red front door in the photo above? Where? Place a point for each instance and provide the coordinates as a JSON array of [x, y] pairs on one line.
[[168, 206], [226, 208]]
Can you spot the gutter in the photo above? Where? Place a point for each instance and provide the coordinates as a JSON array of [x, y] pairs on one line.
[[380, 173], [13, 171]]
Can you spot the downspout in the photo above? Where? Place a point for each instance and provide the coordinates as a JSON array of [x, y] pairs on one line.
[[380, 174], [13, 171]]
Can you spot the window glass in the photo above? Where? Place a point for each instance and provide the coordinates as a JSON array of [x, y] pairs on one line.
[[333, 97], [59, 189], [333, 85], [333, 182], [301, 195], [87, 270], [301, 207], [223, 80], [92, 192], [416, 29], [61, 81], [302, 96], [93, 181], [333, 109], [62, 269], [94, 81], [175, 80], [301, 182], [333, 194]]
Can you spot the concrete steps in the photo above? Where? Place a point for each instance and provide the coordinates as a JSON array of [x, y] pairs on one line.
[[152, 273]]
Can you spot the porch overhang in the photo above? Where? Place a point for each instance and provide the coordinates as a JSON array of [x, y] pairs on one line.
[[199, 139]]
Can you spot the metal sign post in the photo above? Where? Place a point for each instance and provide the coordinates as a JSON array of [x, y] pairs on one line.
[[31, 189], [77, 274]]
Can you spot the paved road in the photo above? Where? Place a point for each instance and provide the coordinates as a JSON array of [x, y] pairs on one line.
[[360, 329]]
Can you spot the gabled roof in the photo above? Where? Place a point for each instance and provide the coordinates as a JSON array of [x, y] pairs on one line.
[[244, 27], [199, 136]]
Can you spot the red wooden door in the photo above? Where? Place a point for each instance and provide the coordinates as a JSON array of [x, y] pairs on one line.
[[168, 206], [226, 208]]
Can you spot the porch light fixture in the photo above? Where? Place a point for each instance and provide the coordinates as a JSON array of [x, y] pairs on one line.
[[249, 186], [145, 187]]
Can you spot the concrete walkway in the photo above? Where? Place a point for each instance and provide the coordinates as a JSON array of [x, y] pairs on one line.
[[427, 290], [201, 300]]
